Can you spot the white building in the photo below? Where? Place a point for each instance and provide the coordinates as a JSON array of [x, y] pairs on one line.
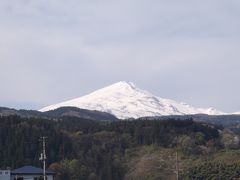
[[5, 174], [25, 173]]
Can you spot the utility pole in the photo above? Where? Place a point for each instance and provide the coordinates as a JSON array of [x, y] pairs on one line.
[[177, 175], [219, 178], [177, 166], [43, 156]]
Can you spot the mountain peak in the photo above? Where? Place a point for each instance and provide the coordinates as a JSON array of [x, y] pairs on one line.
[[124, 100], [124, 84]]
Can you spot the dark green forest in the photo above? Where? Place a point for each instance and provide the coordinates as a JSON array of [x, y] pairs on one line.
[[142, 149]]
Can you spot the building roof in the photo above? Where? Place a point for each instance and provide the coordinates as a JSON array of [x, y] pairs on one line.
[[30, 170]]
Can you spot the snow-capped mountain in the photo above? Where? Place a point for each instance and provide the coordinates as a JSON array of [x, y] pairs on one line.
[[125, 100]]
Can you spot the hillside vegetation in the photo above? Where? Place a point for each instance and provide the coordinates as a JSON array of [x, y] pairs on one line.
[[124, 150]]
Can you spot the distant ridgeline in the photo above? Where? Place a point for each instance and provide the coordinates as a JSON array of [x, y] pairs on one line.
[[230, 121]]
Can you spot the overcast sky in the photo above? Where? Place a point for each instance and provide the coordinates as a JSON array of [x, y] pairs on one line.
[[55, 50]]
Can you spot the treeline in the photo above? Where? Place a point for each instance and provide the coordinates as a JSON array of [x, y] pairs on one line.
[[85, 149]]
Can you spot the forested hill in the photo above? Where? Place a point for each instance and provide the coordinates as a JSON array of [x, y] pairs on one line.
[[59, 113], [85, 149]]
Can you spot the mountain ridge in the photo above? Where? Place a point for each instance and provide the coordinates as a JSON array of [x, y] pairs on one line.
[[59, 113]]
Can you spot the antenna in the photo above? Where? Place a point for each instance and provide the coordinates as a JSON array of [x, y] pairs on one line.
[[43, 156]]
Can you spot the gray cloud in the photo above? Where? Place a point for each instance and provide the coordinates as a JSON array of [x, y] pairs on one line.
[[55, 50]]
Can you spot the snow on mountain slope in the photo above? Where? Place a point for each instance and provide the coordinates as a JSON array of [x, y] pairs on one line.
[[125, 100]]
